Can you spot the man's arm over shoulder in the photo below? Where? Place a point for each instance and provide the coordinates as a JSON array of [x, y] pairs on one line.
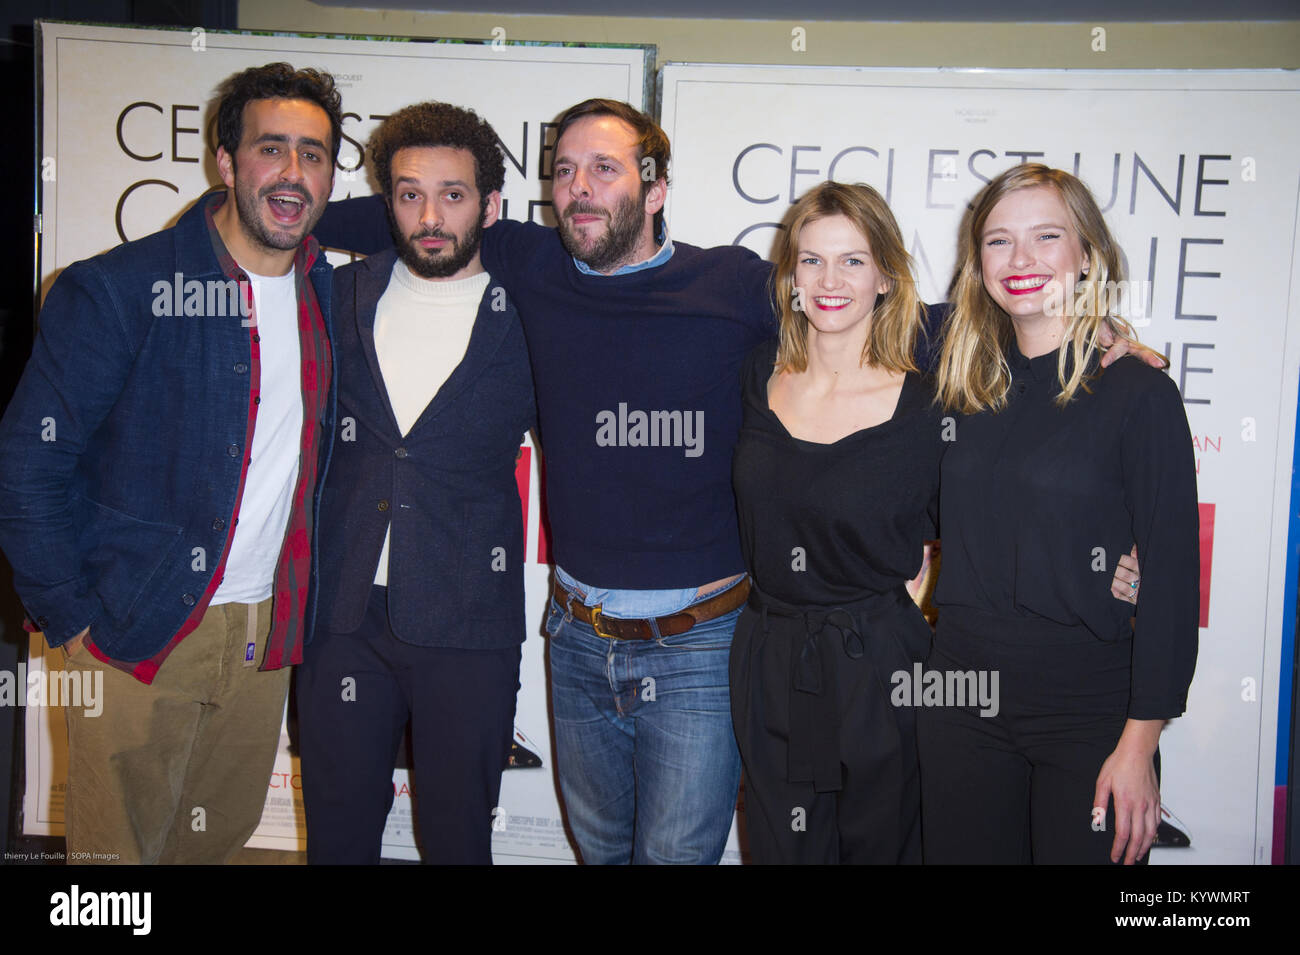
[[81, 358], [510, 248], [929, 340], [355, 225], [755, 288], [360, 225]]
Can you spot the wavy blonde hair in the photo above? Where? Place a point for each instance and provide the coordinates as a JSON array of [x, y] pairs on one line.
[[896, 316], [973, 373]]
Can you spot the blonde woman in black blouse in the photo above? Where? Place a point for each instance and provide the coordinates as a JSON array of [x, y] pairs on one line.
[[836, 472], [1056, 468]]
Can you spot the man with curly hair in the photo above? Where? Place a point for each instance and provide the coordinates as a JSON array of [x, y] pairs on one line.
[[421, 531], [160, 522]]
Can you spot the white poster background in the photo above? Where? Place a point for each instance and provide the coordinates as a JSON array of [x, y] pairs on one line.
[[747, 141], [126, 116]]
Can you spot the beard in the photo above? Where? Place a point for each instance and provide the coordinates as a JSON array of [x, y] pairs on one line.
[[618, 243], [248, 203], [439, 266]]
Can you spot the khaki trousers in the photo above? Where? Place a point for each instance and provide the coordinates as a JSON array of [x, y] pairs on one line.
[[176, 771]]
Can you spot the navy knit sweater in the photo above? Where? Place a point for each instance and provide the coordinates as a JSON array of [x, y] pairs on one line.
[[638, 384]]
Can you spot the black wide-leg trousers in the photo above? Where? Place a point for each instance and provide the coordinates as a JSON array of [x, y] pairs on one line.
[[830, 764]]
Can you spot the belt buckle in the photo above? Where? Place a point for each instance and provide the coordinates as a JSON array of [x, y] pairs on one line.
[[595, 624]]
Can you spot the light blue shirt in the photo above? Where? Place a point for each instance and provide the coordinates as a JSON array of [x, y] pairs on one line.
[[637, 604], [659, 258]]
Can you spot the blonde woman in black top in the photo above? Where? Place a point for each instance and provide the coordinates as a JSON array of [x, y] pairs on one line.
[[1056, 468], [836, 472]]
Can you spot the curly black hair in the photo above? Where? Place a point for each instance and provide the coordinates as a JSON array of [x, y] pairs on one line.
[[276, 81], [436, 124]]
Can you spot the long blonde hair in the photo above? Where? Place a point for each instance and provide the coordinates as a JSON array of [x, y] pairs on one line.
[[973, 373], [896, 319]]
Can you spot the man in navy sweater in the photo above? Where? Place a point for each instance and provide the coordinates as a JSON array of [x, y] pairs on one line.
[[637, 344]]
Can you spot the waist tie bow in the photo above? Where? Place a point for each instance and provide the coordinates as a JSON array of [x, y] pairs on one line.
[[814, 747]]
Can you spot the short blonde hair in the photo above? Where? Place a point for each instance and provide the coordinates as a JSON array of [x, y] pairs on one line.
[[896, 318]]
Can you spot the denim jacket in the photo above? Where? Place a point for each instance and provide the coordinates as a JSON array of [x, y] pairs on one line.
[[122, 450]]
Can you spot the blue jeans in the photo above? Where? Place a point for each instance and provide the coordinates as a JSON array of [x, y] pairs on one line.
[[647, 759]]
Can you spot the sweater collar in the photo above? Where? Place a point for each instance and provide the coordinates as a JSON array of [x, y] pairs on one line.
[[442, 289], [659, 258]]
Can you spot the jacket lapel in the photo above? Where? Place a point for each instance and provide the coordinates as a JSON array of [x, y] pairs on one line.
[[490, 328], [371, 281]]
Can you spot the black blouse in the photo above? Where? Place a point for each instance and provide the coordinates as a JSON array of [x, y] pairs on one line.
[[1039, 502], [828, 524]]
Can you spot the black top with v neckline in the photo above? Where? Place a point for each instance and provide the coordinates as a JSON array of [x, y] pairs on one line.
[[828, 524]]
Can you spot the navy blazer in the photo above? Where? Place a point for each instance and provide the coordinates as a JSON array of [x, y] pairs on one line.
[[455, 560]]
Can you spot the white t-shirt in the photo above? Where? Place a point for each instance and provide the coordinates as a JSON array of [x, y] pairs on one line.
[[277, 446]]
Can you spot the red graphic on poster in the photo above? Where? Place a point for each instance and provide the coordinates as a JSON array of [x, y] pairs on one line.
[[1207, 555], [543, 525], [523, 474]]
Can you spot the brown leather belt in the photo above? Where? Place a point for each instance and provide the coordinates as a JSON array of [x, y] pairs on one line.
[[618, 628]]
